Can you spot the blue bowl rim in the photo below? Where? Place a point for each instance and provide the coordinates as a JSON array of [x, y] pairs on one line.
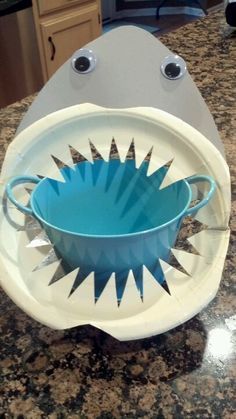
[[112, 236]]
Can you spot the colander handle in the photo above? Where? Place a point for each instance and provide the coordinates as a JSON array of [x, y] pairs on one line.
[[201, 178], [18, 180]]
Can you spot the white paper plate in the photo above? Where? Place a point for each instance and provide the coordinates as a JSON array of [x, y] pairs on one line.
[[30, 153]]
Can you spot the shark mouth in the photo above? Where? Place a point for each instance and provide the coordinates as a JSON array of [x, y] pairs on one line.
[[182, 251]]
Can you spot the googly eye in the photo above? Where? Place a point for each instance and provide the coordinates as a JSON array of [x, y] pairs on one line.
[[84, 61], [173, 67]]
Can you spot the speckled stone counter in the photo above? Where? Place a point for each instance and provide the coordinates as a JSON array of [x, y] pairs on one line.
[[189, 372]]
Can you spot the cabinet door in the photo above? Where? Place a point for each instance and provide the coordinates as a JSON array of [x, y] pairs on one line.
[[62, 36], [46, 6]]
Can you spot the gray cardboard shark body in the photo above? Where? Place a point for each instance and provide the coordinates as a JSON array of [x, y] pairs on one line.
[[127, 74]]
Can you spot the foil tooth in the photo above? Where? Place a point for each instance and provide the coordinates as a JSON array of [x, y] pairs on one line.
[[40, 240], [50, 258], [30, 224]]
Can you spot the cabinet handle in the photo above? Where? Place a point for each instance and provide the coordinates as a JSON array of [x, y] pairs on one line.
[[53, 48]]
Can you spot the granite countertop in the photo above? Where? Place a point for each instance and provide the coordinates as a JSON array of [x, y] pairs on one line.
[[188, 372]]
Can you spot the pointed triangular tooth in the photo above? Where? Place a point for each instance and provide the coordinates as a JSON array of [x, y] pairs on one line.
[[183, 166], [213, 218], [63, 285], [164, 302], [80, 144], [156, 163], [49, 259], [76, 156], [114, 152], [103, 148], [120, 284], [40, 240], [32, 256], [52, 171], [184, 244], [100, 285], [51, 174], [165, 287], [211, 243], [65, 170], [190, 226], [43, 275], [141, 157], [175, 173], [178, 283], [166, 166], [61, 151], [123, 154], [138, 277], [107, 301], [85, 289], [152, 290], [122, 144], [95, 151], [62, 270], [148, 155], [193, 264], [131, 153], [175, 263], [59, 163], [79, 280], [131, 302]]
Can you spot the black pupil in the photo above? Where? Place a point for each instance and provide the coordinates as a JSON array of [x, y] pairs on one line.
[[82, 64], [172, 70]]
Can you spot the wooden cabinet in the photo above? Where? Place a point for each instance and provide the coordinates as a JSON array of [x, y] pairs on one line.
[[46, 6], [20, 69], [62, 27]]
